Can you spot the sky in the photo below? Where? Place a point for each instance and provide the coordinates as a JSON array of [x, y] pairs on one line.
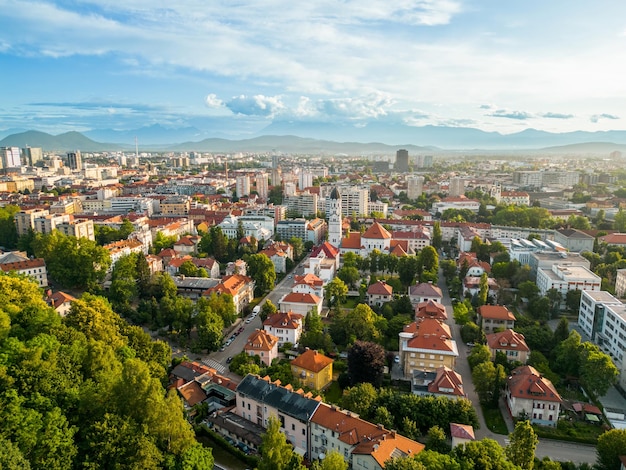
[[235, 66]]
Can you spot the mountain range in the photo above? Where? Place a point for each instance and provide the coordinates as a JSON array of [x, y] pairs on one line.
[[325, 138]]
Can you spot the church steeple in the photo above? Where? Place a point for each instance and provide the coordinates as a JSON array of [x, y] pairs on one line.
[[333, 210]]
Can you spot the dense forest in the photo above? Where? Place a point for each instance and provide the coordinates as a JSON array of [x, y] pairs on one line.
[[86, 391]]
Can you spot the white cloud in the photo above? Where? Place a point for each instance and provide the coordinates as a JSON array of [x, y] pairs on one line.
[[257, 105], [503, 113], [372, 105], [597, 117], [212, 101]]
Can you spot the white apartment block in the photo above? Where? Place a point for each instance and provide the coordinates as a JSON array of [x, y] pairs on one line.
[[602, 318], [25, 220], [81, 228], [620, 283], [48, 223], [303, 204], [565, 278], [379, 206], [415, 186], [355, 201], [242, 185], [262, 186]]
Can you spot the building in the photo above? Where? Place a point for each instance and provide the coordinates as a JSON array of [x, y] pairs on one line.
[[427, 345], [510, 343], [430, 309], [335, 221], [566, 278], [441, 382], [493, 317], [423, 292], [379, 294], [79, 228], [620, 283], [450, 202], [363, 445], [530, 395], [239, 286], [286, 326], [33, 268], [242, 186], [305, 179], [262, 185], [313, 369], [176, 205], [614, 239], [303, 204], [10, 157], [456, 187], [402, 161], [355, 202], [415, 186], [258, 399], [263, 344], [547, 259], [574, 240], [32, 155], [302, 304], [74, 160], [61, 302], [25, 220], [461, 434]]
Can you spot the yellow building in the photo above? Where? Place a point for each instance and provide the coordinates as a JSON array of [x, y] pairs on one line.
[[312, 369]]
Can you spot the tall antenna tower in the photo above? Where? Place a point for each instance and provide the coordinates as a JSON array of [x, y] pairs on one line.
[[136, 149]]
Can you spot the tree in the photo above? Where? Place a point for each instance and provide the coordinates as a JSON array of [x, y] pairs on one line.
[[359, 323], [333, 461], [437, 236], [567, 355], [428, 264], [276, 453], [483, 290], [555, 298], [619, 221], [8, 231], [348, 275], [611, 445], [488, 379], [360, 399], [485, 454], [405, 463], [11, 458], [522, 444], [433, 460], [562, 331], [336, 292], [437, 441], [197, 457], [480, 353], [572, 299], [597, 371], [261, 269], [366, 362], [383, 417], [268, 309], [528, 290], [161, 242]]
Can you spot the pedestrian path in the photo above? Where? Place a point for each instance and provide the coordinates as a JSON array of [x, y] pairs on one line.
[[214, 365]]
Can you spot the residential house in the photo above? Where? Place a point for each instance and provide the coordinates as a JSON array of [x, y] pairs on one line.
[[362, 444], [431, 309], [300, 303], [286, 326], [263, 344], [461, 434], [313, 369], [308, 284], [427, 345], [492, 317], [278, 257], [443, 381], [423, 292], [469, 262], [323, 262], [61, 302], [509, 342], [471, 286], [187, 245], [528, 394], [239, 286], [614, 239], [34, 268], [258, 399], [379, 294]]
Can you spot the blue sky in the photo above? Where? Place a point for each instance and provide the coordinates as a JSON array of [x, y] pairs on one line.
[[233, 67]]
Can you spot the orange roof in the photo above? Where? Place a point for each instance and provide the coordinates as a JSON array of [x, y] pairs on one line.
[[430, 309], [380, 288], [507, 340], [376, 231], [329, 250], [288, 320], [59, 298], [230, 285], [495, 312], [301, 298], [614, 239], [352, 241], [261, 340], [312, 360], [430, 334], [462, 431], [397, 249], [192, 393], [22, 265], [526, 382], [309, 279], [447, 379]]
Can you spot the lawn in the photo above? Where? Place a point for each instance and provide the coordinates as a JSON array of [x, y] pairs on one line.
[[333, 393], [494, 420], [577, 431], [350, 303]]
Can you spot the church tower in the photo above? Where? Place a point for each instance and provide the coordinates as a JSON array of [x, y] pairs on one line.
[[333, 211]]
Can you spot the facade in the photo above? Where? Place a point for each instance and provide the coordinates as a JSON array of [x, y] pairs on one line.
[[301, 304], [313, 369], [333, 212], [263, 344], [25, 220], [415, 186], [79, 228], [533, 396], [33, 268], [566, 278], [355, 201], [61, 302], [376, 237], [242, 186], [176, 205], [239, 286], [620, 283], [379, 294], [286, 326], [547, 259], [402, 161], [303, 204], [509, 342], [492, 317], [427, 345], [74, 160], [460, 202], [415, 239], [423, 292], [457, 187], [262, 187]]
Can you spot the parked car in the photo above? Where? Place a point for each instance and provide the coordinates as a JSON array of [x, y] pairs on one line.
[[229, 360]]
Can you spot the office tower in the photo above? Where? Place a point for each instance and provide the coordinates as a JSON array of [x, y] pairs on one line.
[[262, 185], [10, 157], [424, 161], [457, 187], [242, 187], [74, 160], [32, 155], [402, 161], [305, 179], [333, 212], [415, 186]]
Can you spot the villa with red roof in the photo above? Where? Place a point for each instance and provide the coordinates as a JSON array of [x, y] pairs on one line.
[[442, 382], [430, 309], [379, 294], [263, 344], [286, 326], [492, 317], [323, 262], [423, 292], [301, 303], [427, 345], [308, 284], [187, 245], [461, 434], [313, 369], [509, 342], [530, 394], [61, 302], [614, 239], [240, 287]]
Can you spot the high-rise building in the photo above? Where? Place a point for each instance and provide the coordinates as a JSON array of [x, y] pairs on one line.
[[262, 185], [402, 161], [10, 157], [303, 204], [305, 179], [242, 187], [275, 161], [74, 160], [277, 178], [355, 201], [457, 187], [415, 186], [32, 155], [424, 161], [333, 212]]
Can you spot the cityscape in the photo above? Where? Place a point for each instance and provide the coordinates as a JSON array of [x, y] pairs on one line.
[[328, 236]]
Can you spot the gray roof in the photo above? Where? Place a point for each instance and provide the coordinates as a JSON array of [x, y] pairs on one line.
[[284, 400], [334, 194], [573, 233]]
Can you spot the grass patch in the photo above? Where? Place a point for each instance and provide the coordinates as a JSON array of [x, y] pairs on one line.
[[574, 431], [350, 303], [494, 420], [333, 393]]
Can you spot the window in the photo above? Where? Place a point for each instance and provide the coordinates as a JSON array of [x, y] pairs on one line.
[[293, 427]]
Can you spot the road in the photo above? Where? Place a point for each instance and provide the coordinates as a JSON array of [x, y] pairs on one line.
[[556, 450]]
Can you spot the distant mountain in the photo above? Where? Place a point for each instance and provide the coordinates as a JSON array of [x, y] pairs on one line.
[[59, 143], [6, 132], [587, 148], [293, 144], [149, 135]]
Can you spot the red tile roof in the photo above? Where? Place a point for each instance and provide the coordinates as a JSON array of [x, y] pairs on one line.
[[312, 360], [507, 340], [352, 241], [380, 288], [376, 231], [430, 309], [447, 381], [495, 312], [23, 265], [301, 298], [260, 340], [329, 250], [430, 334], [287, 320], [526, 382], [462, 431]]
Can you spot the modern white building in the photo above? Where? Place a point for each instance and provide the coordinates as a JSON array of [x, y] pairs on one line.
[[565, 278], [242, 185], [415, 186]]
